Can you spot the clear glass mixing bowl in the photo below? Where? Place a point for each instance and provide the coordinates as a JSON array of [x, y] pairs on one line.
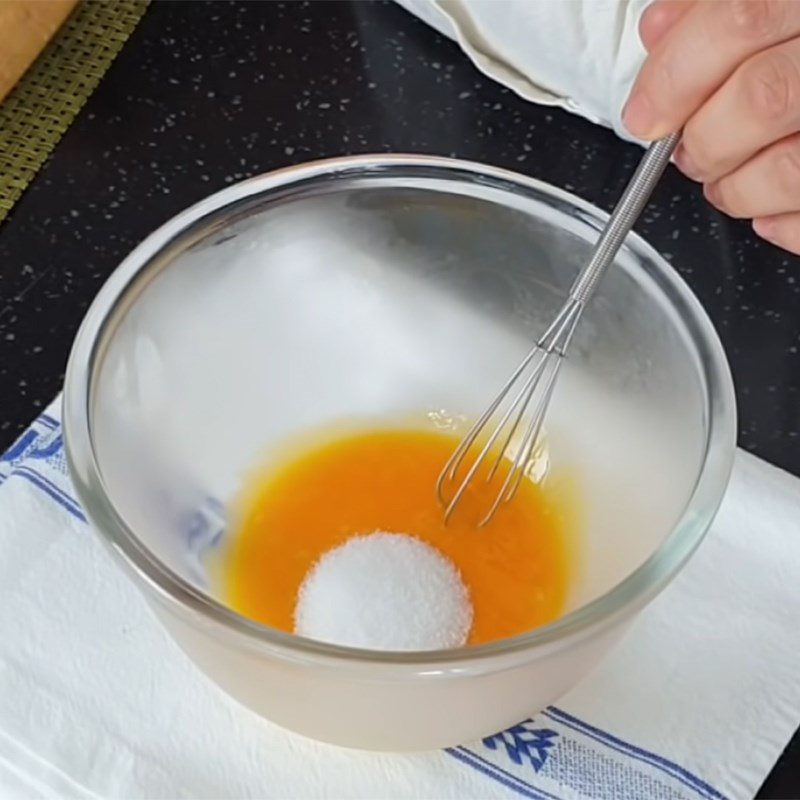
[[374, 288]]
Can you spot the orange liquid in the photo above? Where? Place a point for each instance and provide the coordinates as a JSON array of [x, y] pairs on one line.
[[516, 568]]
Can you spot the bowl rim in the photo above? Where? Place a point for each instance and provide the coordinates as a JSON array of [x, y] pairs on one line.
[[636, 589]]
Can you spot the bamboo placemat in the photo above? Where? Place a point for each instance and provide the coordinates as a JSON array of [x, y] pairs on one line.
[[37, 112]]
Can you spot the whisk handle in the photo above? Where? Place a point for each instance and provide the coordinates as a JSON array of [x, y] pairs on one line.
[[625, 213]]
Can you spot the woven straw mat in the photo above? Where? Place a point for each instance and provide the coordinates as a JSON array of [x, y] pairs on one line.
[[37, 112]]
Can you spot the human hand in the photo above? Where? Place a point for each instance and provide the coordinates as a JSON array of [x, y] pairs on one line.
[[728, 73]]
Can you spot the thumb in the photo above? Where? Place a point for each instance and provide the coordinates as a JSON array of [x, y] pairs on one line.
[[659, 18]]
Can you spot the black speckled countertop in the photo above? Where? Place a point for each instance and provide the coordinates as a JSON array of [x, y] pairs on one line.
[[205, 94]]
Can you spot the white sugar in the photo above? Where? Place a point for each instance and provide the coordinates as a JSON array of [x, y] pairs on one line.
[[384, 591]]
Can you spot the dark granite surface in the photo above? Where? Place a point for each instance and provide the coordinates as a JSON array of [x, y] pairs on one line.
[[207, 94]]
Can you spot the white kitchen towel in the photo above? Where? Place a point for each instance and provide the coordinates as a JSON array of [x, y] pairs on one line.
[[581, 55], [95, 700]]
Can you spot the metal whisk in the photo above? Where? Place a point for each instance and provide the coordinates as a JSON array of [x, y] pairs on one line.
[[535, 378]]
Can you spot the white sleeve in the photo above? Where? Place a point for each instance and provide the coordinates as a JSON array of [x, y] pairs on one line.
[[582, 55]]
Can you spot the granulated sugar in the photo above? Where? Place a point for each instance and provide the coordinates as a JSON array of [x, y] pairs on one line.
[[384, 591]]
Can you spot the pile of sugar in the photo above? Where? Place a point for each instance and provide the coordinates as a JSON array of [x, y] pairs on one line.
[[384, 591]]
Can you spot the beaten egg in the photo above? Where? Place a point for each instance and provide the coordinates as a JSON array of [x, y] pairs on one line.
[[517, 569]]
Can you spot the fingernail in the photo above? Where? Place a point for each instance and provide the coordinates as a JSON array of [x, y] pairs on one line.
[[765, 228], [685, 163], [639, 115]]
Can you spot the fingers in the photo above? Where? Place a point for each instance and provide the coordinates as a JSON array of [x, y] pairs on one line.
[[658, 18], [768, 184], [762, 98], [782, 230], [727, 72], [698, 53]]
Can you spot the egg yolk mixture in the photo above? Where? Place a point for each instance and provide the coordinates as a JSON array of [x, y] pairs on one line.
[[516, 568]]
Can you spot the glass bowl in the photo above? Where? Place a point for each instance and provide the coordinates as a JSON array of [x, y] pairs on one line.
[[375, 288]]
